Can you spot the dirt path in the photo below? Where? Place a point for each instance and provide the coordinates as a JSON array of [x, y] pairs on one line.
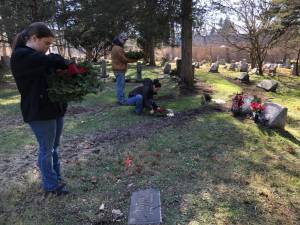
[[249, 89]]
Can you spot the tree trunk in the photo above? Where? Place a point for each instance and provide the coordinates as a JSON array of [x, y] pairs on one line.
[[69, 51], [152, 53], [172, 40], [253, 60], [260, 67], [228, 58], [35, 10], [89, 54], [186, 40], [259, 60], [4, 52], [297, 63], [105, 53]]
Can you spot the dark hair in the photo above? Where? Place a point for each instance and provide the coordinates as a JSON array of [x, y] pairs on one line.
[[156, 83], [116, 41], [39, 29]]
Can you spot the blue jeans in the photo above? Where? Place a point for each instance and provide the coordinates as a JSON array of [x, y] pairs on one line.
[[136, 100], [48, 133], [120, 86]]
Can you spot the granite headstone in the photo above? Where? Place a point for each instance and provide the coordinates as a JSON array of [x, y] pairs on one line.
[[243, 77], [268, 85], [167, 68], [145, 207], [214, 68], [275, 115]]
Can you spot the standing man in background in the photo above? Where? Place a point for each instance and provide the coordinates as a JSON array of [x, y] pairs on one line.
[[120, 66]]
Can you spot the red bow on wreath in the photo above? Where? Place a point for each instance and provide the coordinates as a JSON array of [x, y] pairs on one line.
[[74, 69]]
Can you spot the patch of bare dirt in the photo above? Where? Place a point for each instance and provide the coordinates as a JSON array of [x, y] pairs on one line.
[[198, 89], [14, 169], [11, 123], [77, 110], [142, 130], [249, 89], [73, 110]]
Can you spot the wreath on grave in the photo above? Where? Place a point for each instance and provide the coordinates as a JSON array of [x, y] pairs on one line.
[[237, 104]]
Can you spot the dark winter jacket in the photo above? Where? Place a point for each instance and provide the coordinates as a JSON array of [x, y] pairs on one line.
[[31, 69], [147, 92]]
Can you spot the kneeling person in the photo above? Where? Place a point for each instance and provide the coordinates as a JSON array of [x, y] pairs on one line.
[[142, 96]]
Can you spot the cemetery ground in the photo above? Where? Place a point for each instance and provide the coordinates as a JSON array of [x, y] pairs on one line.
[[210, 167]]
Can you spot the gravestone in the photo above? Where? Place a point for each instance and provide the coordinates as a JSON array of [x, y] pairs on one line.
[[167, 68], [103, 69], [293, 71], [275, 115], [193, 72], [138, 71], [255, 71], [288, 64], [272, 69], [178, 66], [165, 59], [196, 65], [222, 62], [243, 77], [145, 207], [73, 59], [232, 66], [202, 62], [176, 58], [214, 68], [266, 67], [5, 61], [268, 85], [244, 67]]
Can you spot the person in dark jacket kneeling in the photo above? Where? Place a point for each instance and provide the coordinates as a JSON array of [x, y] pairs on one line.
[[31, 68], [142, 96]]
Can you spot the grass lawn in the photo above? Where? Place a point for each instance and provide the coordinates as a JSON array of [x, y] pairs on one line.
[[210, 167]]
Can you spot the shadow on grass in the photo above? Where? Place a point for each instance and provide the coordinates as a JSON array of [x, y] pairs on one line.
[[8, 93], [283, 133], [202, 165]]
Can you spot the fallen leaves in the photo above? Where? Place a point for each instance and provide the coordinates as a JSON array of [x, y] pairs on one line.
[[128, 161], [291, 150], [94, 180], [138, 168]]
